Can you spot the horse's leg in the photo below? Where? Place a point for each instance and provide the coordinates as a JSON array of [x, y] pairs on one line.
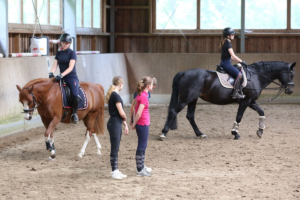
[[49, 136], [260, 111], [191, 117], [171, 120], [242, 107], [87, 139], [89, 123]]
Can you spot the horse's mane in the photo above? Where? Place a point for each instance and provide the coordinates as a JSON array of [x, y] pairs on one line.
[[36, 81], [266, 66]]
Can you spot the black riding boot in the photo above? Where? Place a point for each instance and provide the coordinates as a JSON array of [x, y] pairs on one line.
[[236, 88], [74, 117]]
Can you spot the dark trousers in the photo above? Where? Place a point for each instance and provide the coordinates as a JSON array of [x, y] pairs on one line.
[[143, 134], [73, 85], [229, 68], [114, 127]]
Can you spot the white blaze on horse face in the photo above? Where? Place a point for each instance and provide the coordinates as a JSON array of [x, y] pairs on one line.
[[26, 107]]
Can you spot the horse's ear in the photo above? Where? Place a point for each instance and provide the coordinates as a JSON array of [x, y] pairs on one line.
[[19, 88], [30, 89], [292, 65]]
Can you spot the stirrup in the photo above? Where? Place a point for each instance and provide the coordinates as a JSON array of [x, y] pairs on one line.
[[237, 95], [75, 121]]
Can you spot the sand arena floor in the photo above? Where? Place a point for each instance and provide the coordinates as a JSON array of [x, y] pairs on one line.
[[184, 167]]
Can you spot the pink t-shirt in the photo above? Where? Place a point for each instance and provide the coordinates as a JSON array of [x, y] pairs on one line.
[[143, 99]]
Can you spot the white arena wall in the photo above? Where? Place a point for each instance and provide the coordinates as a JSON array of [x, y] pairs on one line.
[[101, 68]]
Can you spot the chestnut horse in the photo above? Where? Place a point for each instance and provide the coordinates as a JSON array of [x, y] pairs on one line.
[[45, 95]]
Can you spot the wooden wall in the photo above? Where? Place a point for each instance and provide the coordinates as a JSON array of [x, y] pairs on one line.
[[135, 33], [19, 42]]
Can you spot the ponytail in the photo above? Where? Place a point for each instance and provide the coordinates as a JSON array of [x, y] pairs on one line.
[[222, 42], [108, 94], [117, 80], [143, 83]]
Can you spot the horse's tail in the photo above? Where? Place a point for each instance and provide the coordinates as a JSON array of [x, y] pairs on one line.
[[99, 121], [172, 116]]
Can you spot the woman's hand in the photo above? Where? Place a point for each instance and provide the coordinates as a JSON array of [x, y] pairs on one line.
[[126, 128], [132, 126]]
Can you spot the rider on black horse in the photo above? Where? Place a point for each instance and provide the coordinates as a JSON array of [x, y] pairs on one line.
[[227, 55], [66, 60]]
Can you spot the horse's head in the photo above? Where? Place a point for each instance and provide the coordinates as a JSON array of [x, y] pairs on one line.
[[286, 78], [28, 100]]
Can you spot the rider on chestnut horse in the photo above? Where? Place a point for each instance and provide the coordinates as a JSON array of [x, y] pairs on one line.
[[66, 60]]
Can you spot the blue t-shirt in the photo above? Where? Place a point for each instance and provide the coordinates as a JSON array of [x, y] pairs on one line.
[[135, 94], [63, 58]]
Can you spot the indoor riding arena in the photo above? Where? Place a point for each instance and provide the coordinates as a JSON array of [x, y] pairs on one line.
[[203, 142]]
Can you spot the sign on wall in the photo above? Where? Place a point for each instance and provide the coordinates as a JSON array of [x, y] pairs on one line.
[[39, 45]]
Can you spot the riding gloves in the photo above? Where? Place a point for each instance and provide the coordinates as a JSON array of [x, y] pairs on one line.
[[244, 63], [59, 77], [51, 75]]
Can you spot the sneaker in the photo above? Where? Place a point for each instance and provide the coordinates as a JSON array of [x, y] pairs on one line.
[[143, 172], [123, 175], [116, 174], [148, 169]]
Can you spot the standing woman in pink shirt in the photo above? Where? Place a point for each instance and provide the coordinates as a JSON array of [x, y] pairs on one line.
[[141, 124]]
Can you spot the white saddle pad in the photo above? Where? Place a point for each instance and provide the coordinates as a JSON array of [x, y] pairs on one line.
[[225, 77]]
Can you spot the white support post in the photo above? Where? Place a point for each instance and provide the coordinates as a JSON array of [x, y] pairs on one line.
[[69, 18], [4, 28]]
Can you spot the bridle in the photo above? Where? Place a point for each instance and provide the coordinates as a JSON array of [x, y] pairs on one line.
[[281, 87], [35, 103]]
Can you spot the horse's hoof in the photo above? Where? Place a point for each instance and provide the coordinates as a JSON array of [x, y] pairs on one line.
[[51, 159], [80, 155], [162, 137], [99, 152], [203, 136], [237, 138], [259, 133]]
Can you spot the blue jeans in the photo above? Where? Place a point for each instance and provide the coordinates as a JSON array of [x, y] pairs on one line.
[[229, 68]]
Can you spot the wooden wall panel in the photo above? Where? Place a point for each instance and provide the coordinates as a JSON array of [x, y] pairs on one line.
[[19, 42], [205, 44], [132, 21], [131, 2], [92, 43]]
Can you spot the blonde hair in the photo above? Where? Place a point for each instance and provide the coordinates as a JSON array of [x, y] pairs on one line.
[[117, 80], [143, 83], [154, 81], [222, 41]]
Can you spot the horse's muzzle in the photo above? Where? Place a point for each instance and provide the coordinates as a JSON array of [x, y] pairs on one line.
[[289, 88]]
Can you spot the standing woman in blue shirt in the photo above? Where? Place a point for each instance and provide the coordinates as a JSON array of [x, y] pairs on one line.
[[66, 60], [227, 55]]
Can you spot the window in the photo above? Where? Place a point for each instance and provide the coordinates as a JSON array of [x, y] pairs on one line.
[[14, 17], [96, 14], [219, 14], [295, 14], [176, 14], [266, 14], [88, 13], [29, 11]]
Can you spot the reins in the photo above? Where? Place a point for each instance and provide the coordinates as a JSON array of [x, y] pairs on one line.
[[35, 101], [281, 88]]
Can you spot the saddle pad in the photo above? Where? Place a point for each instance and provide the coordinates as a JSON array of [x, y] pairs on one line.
[[83, 104], [224, 79]]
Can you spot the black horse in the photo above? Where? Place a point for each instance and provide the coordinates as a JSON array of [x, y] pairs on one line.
[[205, 84]]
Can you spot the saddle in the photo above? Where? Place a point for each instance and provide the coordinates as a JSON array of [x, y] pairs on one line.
[[226, 80], [67, 99]]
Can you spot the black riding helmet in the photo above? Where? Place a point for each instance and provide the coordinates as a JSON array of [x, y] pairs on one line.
[[65, 38], [228, 31]]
